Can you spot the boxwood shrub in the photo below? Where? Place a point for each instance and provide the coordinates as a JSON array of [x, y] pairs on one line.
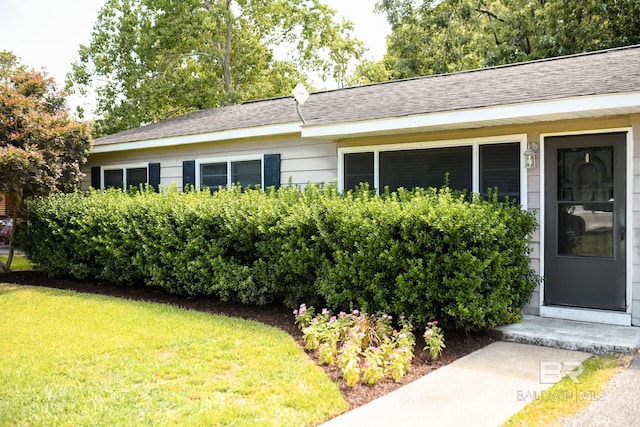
[[428, 254]]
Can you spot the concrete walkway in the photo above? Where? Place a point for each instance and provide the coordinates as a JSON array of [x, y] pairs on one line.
[[484, 388], [487, 387]]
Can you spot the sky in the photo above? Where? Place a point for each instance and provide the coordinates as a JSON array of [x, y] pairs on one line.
[[46, 34]]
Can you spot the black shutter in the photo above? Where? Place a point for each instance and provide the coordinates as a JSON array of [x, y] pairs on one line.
[[272, 170], [95, 177], [188, 175], [154, 176]]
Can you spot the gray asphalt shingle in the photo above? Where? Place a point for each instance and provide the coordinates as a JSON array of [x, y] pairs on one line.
[[603, 72]]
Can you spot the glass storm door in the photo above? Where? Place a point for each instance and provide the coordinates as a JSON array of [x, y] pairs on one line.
[[585, 205]]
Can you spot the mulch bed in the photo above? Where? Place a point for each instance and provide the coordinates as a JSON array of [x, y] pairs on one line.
[[458, 344]]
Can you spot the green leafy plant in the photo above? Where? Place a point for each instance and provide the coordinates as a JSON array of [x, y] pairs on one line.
[[433, 254], [366, 348], [434, 340]]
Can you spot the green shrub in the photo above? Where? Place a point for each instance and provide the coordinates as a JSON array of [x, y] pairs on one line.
[[426, 253]]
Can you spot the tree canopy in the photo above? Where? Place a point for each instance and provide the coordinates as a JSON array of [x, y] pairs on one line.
[[41, 147], [153, 59], [441, 36]]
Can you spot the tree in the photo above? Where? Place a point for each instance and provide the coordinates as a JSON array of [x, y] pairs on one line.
[[432, 37], [149, 60], [41, 147]]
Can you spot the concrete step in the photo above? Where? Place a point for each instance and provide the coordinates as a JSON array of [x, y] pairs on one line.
[[592, 338]]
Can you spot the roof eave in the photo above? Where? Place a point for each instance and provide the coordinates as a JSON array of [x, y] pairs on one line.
[[225, 135], [521, 113]]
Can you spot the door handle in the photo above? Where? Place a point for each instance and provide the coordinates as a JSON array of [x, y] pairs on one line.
[[622, 230]]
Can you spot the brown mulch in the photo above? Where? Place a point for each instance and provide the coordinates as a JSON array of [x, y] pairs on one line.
[[458, 344]]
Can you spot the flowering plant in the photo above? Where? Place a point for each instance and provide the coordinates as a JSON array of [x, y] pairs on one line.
[[360, 344], [434, 339]]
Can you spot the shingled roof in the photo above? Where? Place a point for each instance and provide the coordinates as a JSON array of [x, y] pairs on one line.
[[614, 71]]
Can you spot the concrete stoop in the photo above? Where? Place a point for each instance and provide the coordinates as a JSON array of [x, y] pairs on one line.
[[592, 338]]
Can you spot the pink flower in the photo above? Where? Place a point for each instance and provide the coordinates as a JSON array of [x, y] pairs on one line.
[[333, 319], [295, 312]]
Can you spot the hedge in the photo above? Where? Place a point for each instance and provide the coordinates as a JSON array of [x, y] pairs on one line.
[[428, 254]]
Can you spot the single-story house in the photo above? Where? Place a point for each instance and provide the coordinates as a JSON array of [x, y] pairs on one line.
[[561, 135]]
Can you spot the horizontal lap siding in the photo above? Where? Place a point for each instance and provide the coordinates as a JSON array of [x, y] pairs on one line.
[[302, 161]]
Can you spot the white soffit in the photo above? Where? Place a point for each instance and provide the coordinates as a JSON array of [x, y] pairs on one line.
[[529, 112], [226, 135]]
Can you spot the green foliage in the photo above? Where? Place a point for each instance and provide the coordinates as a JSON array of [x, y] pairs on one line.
[[150, 60], [358, 343], [433, 37], [430, 254], [434, 340], [41, 147]]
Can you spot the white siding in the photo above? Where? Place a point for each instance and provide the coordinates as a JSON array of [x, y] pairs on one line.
[[302, 161]]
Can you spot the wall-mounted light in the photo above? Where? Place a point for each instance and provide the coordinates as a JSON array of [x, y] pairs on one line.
[[530, 155]]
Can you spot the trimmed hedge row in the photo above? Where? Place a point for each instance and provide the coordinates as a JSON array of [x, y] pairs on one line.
[[428, 254]]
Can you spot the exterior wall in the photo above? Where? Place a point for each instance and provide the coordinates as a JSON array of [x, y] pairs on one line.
[[6, 205], [535, 184], [302, 161]]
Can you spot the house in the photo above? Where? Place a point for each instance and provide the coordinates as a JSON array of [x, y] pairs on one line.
[[561, 135], [7, 205]]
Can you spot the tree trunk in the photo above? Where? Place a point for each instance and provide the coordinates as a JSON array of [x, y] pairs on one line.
[[226, 65], [18, 205]]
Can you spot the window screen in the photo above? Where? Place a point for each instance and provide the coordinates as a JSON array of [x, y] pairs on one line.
[[247, 173], [136, 176], [500, 167], [113, 178], [358, 169], [213, 175], [426, 168]]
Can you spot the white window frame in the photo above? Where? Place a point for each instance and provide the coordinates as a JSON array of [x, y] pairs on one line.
[[124, 168], [229, 160], [475, 144]]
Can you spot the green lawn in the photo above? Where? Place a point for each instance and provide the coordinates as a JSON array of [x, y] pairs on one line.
[[78, 359], [19, 262]]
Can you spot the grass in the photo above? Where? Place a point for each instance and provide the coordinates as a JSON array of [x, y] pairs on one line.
[[567, 398], [19, 262], [79, 359]]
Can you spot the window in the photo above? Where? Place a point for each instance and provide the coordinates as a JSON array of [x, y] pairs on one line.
[[474, 165], [430, 167], [358, 169], [124, 177], [215, 174], [500, 167]]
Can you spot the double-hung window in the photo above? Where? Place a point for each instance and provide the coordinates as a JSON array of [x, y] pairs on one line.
[[216, 173], [476, 165], [124, 177]]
